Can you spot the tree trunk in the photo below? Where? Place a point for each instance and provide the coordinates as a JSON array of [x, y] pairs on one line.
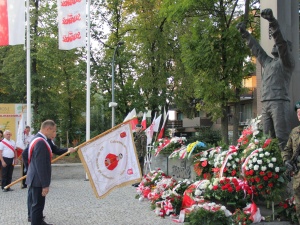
[[224, 126]]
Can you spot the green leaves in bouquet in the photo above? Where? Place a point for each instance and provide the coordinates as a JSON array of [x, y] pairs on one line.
[[205, 217]]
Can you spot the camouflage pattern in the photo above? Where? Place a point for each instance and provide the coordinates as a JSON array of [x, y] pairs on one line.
[[140, 141], [287, 153]]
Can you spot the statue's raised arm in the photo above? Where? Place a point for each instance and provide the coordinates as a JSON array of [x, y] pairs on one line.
[[276, 76]]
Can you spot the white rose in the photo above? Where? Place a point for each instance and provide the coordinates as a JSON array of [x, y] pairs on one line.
[[256, 167], [267, 153], [271, 165], [250, 165], [259, 161], [228, 164], [263, 168], [277, 169], [250, 161], [237, 160], [233, 166], [273, 159], [230, 157], [260, 150], [255, 154], [261, 155], [254, 159]]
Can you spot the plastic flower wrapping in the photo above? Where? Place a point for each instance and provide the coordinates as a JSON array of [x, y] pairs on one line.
[[287, 209], [167, 146], [227, 163], [231, 190], [204, 162], [263, 169], [230, 179]]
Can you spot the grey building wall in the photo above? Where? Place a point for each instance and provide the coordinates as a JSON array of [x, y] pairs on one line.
[[287, 14]]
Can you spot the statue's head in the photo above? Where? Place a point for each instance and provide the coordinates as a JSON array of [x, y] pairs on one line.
[[274, 51]]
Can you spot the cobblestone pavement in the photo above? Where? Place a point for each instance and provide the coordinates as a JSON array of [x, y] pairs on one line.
[[71, 201]]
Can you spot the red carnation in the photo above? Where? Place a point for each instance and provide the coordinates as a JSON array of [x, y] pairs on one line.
[[251, 172], [266, 178], [261, 173], [204, 163], [215, 187], [233, 172], [270, 185], [260, 186], [270, 174], [257, 179], [276, 176]]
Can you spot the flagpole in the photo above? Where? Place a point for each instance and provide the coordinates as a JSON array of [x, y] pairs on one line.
[[28, 74], [88, 82]]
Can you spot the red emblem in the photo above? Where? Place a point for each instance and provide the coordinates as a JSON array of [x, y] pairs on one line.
[[123, 134], [129, 171]]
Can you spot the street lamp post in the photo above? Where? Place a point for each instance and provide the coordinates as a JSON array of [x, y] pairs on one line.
[[113, 104]]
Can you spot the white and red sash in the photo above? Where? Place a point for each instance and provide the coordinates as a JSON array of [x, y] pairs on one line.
[[31, 147], [9, 146]]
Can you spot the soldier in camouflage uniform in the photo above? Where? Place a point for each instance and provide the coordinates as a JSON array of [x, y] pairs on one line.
[[289, 151], [140, 141]]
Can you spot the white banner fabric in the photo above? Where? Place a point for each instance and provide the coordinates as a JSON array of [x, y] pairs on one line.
[[111, 161], [71, 23]]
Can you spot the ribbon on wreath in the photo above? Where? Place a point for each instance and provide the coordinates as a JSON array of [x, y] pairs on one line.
[[232, 150]]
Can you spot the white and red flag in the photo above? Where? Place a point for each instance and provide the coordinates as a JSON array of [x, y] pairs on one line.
[[149, 131], [110, 160], [71, 23], [12, 22], [156, 124], [144, 121], [132, 118], [162, 130]]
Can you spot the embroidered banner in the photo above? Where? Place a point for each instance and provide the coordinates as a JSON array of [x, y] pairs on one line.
[[71, 23], [110, 160]]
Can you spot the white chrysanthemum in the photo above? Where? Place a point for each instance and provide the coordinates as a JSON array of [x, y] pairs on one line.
[[237, 160], [263, 168], [259, 161], [251, 166], [250, 161], [255, 154], [254, 159], [260, 150], [233, 166], [230, 157], [228, 164], [204, 184], [261, 155], [267, 153], [256, 167], [271, 165], [277, 169], [198, 192], [273, 159]]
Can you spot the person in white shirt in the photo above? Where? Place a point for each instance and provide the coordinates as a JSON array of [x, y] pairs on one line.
[[8, 157], [27, 136], [27, 139]]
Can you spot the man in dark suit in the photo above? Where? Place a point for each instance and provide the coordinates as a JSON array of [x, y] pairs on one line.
[[39, 170], [55, 150]]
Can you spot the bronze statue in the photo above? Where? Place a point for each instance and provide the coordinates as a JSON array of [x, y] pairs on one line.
[[276, 78]]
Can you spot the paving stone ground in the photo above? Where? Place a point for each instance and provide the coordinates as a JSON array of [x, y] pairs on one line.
[[71, 201]]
